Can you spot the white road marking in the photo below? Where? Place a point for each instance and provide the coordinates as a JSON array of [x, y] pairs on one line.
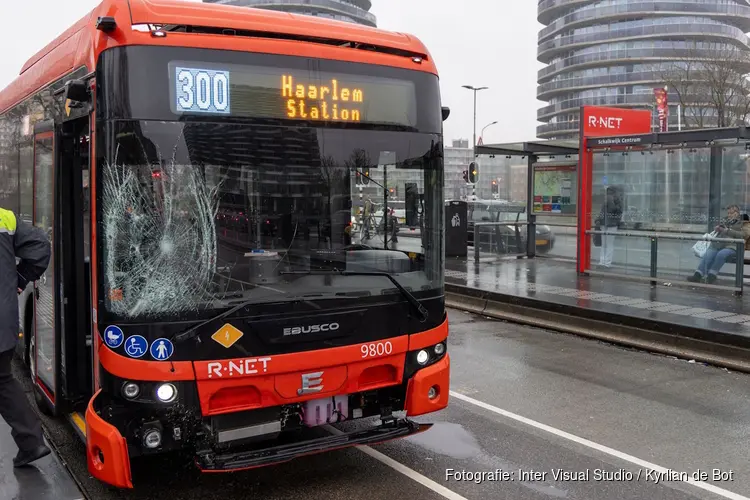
[[406, 471], [596, 446]]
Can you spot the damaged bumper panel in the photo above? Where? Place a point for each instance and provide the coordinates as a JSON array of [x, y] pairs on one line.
[[106, 449], [212, 462]]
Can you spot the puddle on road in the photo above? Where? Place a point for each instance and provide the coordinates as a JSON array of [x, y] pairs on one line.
[[448, 439], [452, 440]]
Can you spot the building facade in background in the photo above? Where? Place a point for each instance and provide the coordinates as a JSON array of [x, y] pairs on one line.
[[492, 168], [352, 11], [615, 52]]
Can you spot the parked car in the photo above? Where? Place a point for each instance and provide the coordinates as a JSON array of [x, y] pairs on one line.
[[504, 238]]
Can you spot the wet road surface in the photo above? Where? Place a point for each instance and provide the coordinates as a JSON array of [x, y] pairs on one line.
[[524, 401], [46, 479]]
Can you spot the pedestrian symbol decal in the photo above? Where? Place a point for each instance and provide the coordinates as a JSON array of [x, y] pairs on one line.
[[113, 336], [136, 346], [161, 349]]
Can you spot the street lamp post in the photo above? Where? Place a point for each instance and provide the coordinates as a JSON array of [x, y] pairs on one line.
[[475, 89], [474, 144], [486, 127]]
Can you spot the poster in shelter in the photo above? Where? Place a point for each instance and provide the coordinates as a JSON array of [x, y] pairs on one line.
[[555, 189]]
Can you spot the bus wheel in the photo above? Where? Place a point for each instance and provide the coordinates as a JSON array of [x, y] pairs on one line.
[[39, 399]]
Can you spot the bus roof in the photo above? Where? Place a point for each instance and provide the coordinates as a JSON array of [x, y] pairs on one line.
[[81, 43], [262, 21]]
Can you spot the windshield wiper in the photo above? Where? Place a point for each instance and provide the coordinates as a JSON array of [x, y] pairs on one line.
[[191, 332], [406, 293]]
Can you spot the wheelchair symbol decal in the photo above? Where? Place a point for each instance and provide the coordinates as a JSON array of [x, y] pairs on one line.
[[136, 346]]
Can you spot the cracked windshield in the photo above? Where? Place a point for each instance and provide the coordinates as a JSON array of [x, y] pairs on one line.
[[199, 215]]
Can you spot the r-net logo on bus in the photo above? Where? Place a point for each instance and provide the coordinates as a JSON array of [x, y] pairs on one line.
[[231, 368]]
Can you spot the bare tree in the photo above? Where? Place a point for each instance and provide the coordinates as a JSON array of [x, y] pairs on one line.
[[331, 174], [358, 160], [711, 85]]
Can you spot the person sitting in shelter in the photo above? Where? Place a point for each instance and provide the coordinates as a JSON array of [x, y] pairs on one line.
[[719, 251]]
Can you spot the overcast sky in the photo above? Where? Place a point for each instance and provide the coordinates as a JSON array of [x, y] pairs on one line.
[[488, 43]]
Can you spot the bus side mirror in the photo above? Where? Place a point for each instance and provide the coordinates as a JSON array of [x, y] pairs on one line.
[[76, 91], [446, 112]]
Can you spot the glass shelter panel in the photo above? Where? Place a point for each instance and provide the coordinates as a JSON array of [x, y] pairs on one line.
[[655, 205], [638, 193], [735, 176]]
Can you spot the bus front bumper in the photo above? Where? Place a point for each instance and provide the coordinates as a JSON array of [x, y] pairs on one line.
[[427, 392], [106, 450], [211, 461]]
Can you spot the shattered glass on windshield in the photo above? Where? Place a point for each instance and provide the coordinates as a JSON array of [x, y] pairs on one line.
[[160, 237], [198, 216]]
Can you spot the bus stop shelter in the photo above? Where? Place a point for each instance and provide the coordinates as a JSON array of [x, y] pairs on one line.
[[686, 181], [678, 184], [532, 151]]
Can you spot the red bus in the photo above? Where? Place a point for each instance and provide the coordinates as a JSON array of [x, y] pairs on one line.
[[195, 166]]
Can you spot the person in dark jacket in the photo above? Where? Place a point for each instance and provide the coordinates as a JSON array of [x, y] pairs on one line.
[[718, 252], [18, 240], [609, 219]]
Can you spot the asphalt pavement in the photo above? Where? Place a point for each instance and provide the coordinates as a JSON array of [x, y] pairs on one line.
[[45, 479], [526, 405]]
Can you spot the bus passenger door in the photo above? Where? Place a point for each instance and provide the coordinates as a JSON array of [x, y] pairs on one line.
[[73, 155], [43, 351]]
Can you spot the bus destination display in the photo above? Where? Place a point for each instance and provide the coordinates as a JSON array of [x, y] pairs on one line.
[[318, 102], [270, 92]]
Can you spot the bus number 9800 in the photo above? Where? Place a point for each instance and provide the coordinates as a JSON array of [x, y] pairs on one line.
[[376, 349]]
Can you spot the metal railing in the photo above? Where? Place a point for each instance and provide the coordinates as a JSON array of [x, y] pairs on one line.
[[478, 242], [655, 237], [519, 224]]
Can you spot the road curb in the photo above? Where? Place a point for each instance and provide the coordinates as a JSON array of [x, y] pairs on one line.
[[690, 343]]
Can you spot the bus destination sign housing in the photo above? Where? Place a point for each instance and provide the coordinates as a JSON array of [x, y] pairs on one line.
[[201, 88]]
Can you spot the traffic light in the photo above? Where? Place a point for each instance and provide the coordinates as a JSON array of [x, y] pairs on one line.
[[466, 176], [473, 172], [366, 176], [494, 187], [359, 178]]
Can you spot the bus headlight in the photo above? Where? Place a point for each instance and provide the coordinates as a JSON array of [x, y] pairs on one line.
[[166, 393], [419, 359], [130, 390]]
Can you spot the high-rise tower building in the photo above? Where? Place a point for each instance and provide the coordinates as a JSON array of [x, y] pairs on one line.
[[615, 52]]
